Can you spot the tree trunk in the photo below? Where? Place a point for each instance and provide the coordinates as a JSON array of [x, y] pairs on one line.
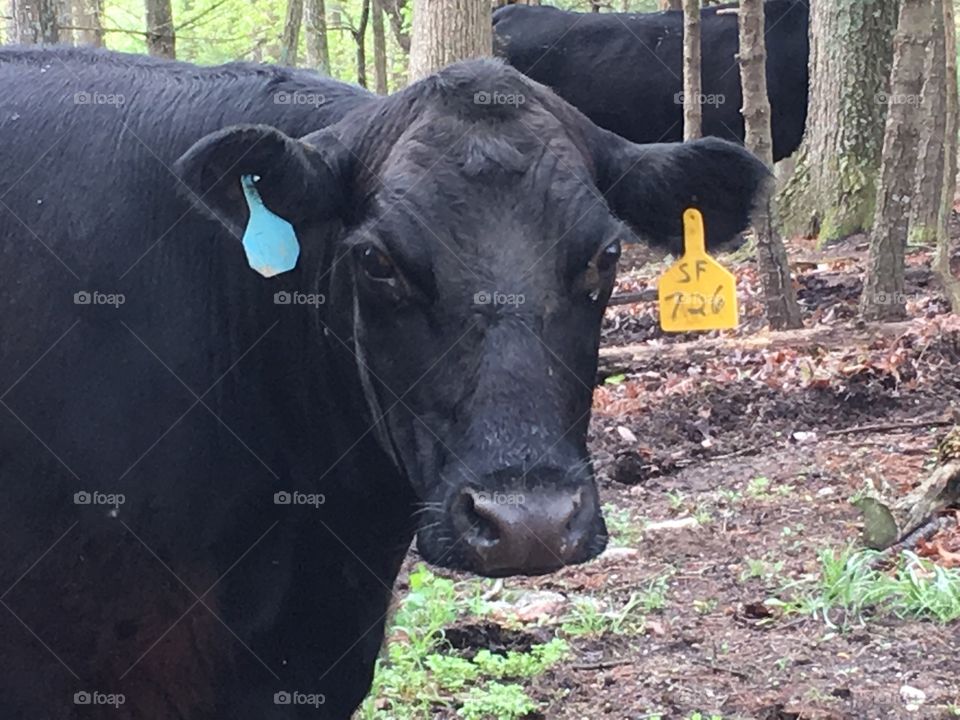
[[318, 52], [783, 311], [925, 210], [833, 191], [692, 78], [161, 40], [48, 12], [24, 24], [65, 21], [671, 4], [950, 281], [360, 37], [86, 19], [290, 41], [883, 288], [446, 31], [379, 48], [394, 10]]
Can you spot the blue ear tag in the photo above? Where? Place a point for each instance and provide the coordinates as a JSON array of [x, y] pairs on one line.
[[269, 241]]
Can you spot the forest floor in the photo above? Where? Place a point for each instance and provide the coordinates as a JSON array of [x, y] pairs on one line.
[[735, 586]]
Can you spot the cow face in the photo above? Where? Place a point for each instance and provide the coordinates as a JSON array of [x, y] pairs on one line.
[[481, 231]]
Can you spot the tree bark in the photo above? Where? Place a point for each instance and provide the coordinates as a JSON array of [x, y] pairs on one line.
[[446, 31], [949, 281], [318, 51], [379, 48], [290, 40], [833, 191], [692, 78], [87, 21], [883, 289], [360, 38], [925, 209], [161, 39], [783, 311]]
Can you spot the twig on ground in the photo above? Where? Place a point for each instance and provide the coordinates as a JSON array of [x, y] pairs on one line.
[[886, 427]]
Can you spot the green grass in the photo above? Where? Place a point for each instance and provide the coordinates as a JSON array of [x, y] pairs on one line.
[[589, 616], [847, 590]]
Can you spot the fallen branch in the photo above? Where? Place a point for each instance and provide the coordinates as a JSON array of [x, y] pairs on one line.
[[833, 337], [886, 427], [910, 542]]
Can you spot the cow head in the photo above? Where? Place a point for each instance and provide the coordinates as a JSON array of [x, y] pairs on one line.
[[482, 220]]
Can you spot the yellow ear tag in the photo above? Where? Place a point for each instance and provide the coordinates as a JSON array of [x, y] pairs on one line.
[[697, 292]]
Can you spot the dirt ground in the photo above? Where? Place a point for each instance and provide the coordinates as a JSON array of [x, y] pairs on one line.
[[757, 453]]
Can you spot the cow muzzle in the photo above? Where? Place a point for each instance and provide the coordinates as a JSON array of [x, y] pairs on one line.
[[528, 531]]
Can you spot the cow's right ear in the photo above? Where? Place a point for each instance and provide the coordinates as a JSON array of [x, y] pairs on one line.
[[295, 181]]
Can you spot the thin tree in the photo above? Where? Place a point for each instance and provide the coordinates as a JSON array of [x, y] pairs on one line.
[[360, 38], [833, 190], [692, 77], [394, 10], [783, 311], [379, 48], [671, 4], [318, 51], [445, 31], [290, 40], [161, 39], [925, 208], [951, 284], [883, 288]]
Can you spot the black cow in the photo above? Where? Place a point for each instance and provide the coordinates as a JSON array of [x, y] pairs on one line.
[[624, 70], [208, 479]]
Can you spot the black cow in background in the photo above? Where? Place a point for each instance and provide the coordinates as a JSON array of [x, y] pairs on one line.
[[624, 71], [208, 478]]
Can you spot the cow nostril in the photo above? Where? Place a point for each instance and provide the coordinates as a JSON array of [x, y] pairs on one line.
[[480, 527]]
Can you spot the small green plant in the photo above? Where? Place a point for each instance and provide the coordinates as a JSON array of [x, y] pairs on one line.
[[624, 529], [758, 487], [704, 607], [676, 499], [496, 700], [759, 569]]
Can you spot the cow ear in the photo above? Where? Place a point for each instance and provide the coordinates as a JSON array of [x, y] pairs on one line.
[[649, 186], [263, 184]]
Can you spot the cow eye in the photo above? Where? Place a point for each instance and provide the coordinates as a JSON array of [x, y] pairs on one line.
[[376, 263], [607, 259]]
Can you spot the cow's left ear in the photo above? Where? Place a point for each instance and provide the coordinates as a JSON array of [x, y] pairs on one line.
[[227, 171], [649, 186]]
